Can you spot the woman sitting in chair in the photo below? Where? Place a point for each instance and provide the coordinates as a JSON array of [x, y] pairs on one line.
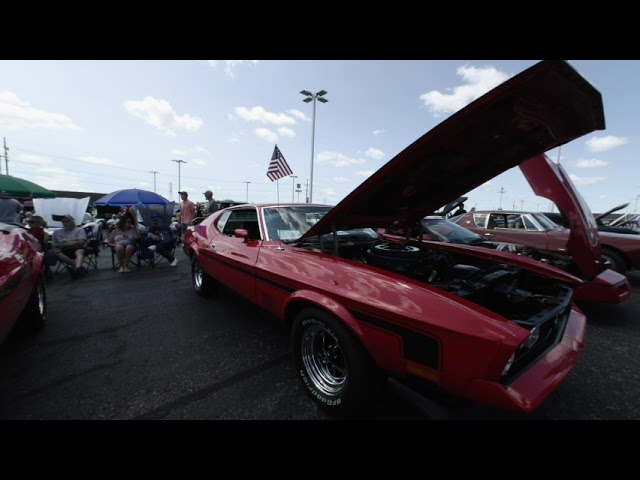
[[124, 240]]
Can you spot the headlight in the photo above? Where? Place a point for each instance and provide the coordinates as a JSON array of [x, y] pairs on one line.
[[507, 367], [533, 337]]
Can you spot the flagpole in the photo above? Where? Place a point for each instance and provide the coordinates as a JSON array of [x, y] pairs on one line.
[[278, 189]]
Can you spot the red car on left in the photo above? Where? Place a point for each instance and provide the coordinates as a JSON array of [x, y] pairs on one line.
[[23, 304]]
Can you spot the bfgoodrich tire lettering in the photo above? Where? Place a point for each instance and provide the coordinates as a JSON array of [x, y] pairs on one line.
[[202, 283], [334, 367]]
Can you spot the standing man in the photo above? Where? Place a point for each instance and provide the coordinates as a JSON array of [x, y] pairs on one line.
[[69, 243], [187, 212], [10, 209], [212, 205]]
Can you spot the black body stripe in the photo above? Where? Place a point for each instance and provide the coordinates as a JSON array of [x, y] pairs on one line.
[[416, 347]]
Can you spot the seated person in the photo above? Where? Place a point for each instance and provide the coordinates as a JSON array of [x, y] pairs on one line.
[[124, 240], [37, 227], [162, 240], [68, 244]]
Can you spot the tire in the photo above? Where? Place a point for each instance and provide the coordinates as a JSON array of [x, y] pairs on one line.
[[614, 261], [333, 365], [34, 316], [202, 283]]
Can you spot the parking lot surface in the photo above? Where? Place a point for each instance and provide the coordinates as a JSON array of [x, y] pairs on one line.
[[144, 346]]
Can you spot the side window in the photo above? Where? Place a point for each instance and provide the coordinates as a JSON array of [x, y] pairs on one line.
[[498, 221], [528, 224], [246, 219], [222, 221], [480, 219]]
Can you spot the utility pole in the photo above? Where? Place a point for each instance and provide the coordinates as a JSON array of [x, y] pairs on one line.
[[293, 179], [6, 159], [247, 199], [501, 192], [306, 190], [154, 179]]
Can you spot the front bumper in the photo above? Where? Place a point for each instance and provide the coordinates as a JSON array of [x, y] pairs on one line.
[[534, 385]]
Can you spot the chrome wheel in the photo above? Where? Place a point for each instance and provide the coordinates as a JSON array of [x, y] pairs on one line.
[[323, 360]]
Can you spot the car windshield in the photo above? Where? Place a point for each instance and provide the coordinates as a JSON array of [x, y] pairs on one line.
[[288, 223], [545, 222], [447, 231]]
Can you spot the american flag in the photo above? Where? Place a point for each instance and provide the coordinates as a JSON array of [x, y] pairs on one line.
[[278, 167]]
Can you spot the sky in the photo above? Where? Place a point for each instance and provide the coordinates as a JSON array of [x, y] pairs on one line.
[[106, 125]]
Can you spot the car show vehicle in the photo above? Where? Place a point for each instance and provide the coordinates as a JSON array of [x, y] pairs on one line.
[[599, 258], [561, 219], [464, 321], [22, 287]]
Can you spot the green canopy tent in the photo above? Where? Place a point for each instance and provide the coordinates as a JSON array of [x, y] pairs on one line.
[[21, 188]]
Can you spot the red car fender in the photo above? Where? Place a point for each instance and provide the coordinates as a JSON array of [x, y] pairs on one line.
[[326, 303]]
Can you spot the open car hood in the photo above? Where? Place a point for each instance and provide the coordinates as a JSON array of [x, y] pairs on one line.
[[543, 107], [449, 207], [549, 180], [614, 209]]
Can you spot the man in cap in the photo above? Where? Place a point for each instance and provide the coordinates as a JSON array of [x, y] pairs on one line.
[[212, 205], [162, 240], [187, 212], [68, 244]]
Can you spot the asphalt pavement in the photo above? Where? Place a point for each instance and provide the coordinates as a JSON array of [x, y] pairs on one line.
[[144, 346]]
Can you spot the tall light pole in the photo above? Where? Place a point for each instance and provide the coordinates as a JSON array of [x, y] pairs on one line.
[[635, 210], [154, 179], [308, 98], [293, 187], [247, 201], [179, 162]]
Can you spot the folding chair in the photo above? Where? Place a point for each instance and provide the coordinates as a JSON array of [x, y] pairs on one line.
[[91, 251], [134, 261], [151, 257]]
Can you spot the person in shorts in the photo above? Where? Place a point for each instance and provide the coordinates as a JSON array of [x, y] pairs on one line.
[[68, 244]]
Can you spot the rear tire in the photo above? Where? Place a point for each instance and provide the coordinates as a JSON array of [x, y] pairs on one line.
[[336, 370], [202, 283]]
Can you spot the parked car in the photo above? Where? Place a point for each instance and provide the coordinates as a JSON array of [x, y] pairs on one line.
[[23, 303], [581, 250], [561, 219], [466, 321]]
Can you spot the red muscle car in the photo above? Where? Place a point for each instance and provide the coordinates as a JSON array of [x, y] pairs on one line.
[[467, 321], [22, 286]]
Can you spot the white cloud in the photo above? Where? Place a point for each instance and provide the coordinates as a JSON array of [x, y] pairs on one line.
[[341, 180], [266, 134], [34, 159], [586, 180], [487, 186], [603, 197], [16, 114], [299, 114], [593, 163], [374, 153], [160, 114], [199, 149], [337, 159], [378, 132], [199, 161], [231, 65], [478, 81], [178, 152], [234, 139], [259, 114], [100, 161], [365, 173], [286, 132], [602, 144]]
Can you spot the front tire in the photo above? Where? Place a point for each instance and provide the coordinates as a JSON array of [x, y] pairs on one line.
[[614, 261], [202, 283], [34, 316], [336, 370]]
